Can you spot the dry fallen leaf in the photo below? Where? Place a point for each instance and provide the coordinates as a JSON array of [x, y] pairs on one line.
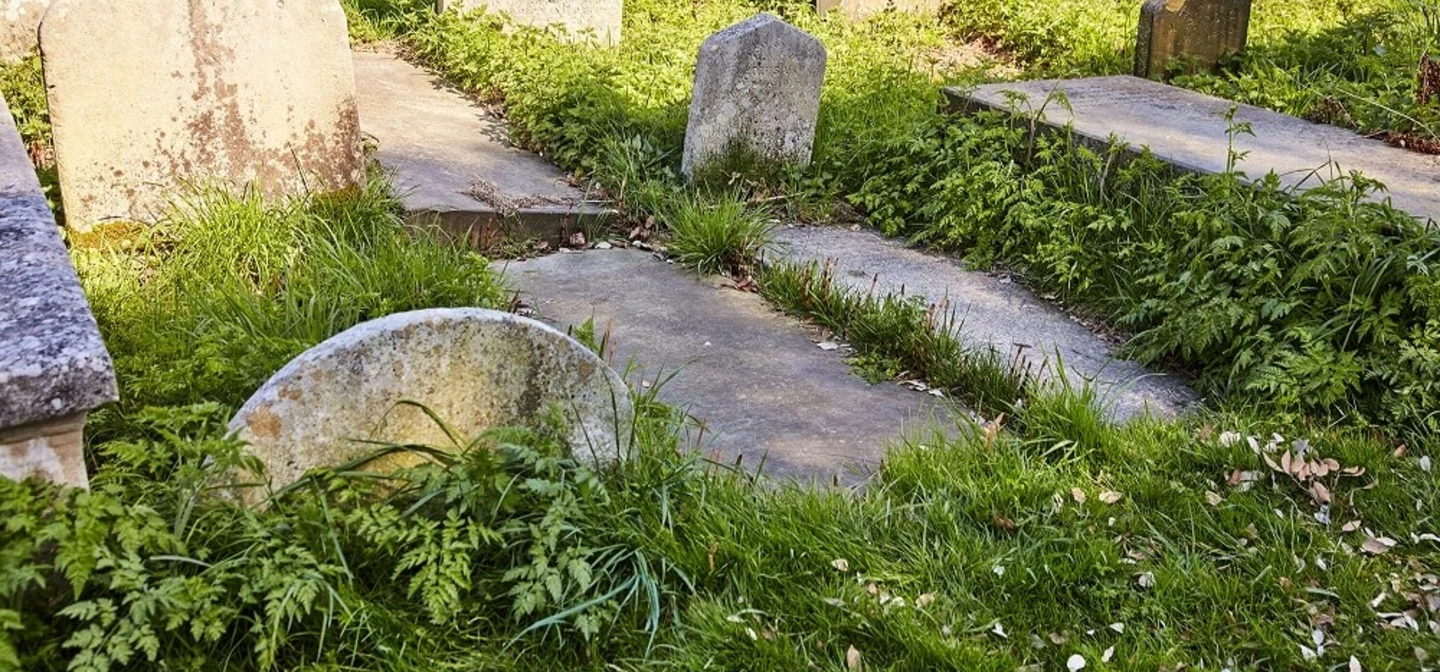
[[1377, 545], [1213, 499], [841, 564], [925, 600], [1002, 522], [1110, 496], [852, 659], [1078, 495]]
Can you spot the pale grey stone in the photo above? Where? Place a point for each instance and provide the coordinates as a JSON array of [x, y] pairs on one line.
[[53, 363], [475, 369], [20, 27], [1188, 130], [859, 9], [147, 96], [458, 172], [1199, 31], [757, 88], [577, 19]]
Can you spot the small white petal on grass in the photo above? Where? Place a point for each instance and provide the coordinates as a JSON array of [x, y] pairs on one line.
[[835, 602], [1109, 653], [751, 633], [841, 564], [1111, 496], [999, 631], [734, 618], [999, 570], [1317, 636], [1118, 627], [1425, 463], [828, 345], [1213, 499], [1075, 663], [852, 659], [1308, 653], [1228, 439], [1146, 580], [1355, 665], [925, 600], [1078, 495], [1377, 545]]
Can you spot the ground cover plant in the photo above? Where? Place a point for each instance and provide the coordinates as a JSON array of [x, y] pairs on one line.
[[1259, 534]]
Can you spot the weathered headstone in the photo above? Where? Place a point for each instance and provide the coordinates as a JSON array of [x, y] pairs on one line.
[[859, 9], [1201, 32], [582, 19], [475, 369], [149, 95], [757, 89], [53, 365], [19, 27]]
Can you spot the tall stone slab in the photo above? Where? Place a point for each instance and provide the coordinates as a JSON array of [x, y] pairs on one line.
[[859, 9], [581, 19], [757, 89], [1199, 31], [147, 96], [20, 27]]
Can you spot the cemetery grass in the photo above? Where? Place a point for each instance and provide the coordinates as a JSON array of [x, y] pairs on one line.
[[1023, 540]]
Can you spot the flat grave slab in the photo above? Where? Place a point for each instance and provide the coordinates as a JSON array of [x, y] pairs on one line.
[[1188, 130], [453, 162], [756, 379], [991, 311]]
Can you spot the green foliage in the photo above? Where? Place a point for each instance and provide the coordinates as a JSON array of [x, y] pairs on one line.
[[718, 236], [206, 305], [1312, 300]]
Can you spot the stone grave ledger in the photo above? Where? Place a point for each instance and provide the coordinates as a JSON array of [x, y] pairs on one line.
[[475, 369], [859, 9], [1199, 31], [54, 368], [21, 22], [757, 89], [149, 97], [581, 19]]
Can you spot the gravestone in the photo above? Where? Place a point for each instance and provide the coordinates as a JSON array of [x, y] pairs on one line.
[[757, 89], [1201, 32], [581, 19], [147, 96], [859, 9], [54, 368], [475, 369], [21, 23]]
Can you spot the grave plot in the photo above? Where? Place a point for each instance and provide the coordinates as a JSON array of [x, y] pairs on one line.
[[1189, 131]]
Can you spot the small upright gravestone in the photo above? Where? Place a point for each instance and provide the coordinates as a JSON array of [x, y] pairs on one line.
[[474, 369], [757, 89], [1199, 31], [147, 96], [581, 19]]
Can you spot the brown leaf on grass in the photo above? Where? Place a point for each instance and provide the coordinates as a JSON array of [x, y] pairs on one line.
[[925, 600], [992, 430], [710, 555], [852, 659], [1002, 522], [1399, 451]]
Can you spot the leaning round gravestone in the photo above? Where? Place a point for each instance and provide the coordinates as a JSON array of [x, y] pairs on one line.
[[474, 369]]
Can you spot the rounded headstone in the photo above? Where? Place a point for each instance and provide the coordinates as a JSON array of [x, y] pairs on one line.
[[757, 88], [474, 369], [149, 96]]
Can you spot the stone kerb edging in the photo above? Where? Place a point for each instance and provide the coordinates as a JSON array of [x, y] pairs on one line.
[[475, 369], [53, 364]]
